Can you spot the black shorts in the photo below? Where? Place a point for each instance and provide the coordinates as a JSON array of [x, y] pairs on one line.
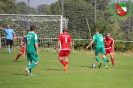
[[9, 42]]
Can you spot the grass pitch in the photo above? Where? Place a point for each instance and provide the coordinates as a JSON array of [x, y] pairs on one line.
[[49, 72]]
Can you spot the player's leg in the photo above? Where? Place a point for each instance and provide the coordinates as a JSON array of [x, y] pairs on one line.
[[66, 63], [21, 52], [60, 57], [105, 61], [67, 53], [66, 59], [9, 49], [34, 61], [97, 51], [11, 43], [98, 60], [8, 45], [112, 59], [30, 65], [104, 57], [106, 53]]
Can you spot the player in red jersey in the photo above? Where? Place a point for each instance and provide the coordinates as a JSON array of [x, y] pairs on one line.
[[109, 46], [22, 51], [64, 46]]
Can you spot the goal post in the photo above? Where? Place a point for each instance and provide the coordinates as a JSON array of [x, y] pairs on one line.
[[48, 27]]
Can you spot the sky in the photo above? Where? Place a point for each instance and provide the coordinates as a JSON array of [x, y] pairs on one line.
[[35, 3]]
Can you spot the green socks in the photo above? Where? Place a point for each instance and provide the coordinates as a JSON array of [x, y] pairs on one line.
[[96, 57], [32, 65], [105, 61]]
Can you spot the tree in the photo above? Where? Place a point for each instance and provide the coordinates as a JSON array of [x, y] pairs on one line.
[[8, 6], [43, 8], [22, 8], [55, 8]]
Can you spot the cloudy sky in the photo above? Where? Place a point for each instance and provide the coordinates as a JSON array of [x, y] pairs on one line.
[[35, 3]]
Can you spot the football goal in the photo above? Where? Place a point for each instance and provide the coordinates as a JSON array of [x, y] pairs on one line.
[[48, 28]]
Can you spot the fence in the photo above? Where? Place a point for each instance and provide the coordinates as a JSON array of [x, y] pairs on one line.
[[77, 44]]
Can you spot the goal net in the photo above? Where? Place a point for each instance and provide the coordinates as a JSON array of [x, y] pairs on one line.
[[48, 28]]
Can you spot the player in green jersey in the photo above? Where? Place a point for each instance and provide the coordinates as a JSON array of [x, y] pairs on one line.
[[98, 39], [31, 44]]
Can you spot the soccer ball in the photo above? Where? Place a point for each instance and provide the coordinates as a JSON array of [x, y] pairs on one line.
[[93, 65]]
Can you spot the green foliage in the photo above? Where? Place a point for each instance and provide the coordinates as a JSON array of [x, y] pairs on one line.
[[79, 44], [8, 7], [82, 9], [55, 8], [120, 47], [22, 8], [43, 9], [123, 46]]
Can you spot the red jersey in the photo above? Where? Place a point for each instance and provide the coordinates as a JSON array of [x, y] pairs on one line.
[[23, 38], [108, 43], [22, 46], [65, 40]]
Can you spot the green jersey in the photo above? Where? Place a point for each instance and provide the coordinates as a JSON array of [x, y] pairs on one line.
[[98, 38], [31, 39]]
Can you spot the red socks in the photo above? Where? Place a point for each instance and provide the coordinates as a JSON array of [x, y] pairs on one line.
[[63, 62], [112, 59], [66, 62], [18, 56]]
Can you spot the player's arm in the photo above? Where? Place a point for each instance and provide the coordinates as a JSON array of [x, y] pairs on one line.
[[36, 46], [25, 47], [92, 41], [15, 37], [113, 47], [70, 45], [57, 46]]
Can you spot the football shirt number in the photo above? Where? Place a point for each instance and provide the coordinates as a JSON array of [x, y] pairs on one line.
[[66, 41], [28, 39], [101, 38]]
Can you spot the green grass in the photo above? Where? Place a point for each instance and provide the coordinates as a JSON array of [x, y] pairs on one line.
[[49, 72]]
